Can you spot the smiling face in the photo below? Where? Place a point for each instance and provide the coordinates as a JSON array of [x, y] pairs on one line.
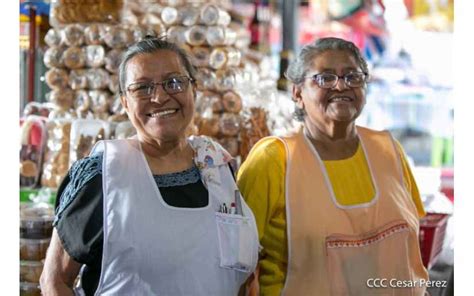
[[163, 117], [327, 107]]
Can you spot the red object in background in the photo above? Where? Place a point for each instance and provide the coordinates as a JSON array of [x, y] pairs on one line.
[[447, 183], [432, 232]]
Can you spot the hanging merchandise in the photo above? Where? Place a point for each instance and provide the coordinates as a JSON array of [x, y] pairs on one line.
[[215, 44], [33, 141]]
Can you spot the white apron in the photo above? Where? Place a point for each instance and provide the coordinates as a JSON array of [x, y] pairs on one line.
[[151, 248]]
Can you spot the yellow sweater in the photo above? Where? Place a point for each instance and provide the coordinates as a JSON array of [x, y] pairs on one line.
[[261, 180]]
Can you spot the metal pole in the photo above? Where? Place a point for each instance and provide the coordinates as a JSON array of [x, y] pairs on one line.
[[32, 54], [289, 9]]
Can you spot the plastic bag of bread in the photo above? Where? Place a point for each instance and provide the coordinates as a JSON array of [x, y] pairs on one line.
[[72, 35], [176, 34], [232, 102], [95, 56], [124, 130], [33, 140], [212, 15], [206, 79], [97, 78], [101, 101], [62, 98], [116, 36], [36, 108], [53, 57], [254, 127], [78, 79], [229, 124], [231, 144], [84, 134], [30, 271], [56, 158], [92, 34], [208, 126], [85, 11], [57, 78], [113, 84], [53, 37], [113, 59], [74, 57]]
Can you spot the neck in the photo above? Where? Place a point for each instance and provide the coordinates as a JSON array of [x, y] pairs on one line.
[[333, 142], [167, 149], [331, 133]]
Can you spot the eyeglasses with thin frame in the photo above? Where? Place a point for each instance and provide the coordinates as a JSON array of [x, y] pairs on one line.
[[329, 80], [172, 86]]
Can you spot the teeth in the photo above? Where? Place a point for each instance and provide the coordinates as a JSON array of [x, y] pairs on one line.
[[163, 113], [341, 99]]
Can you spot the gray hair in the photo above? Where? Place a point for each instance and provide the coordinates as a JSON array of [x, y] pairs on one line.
[[152, 45], [298, 68]]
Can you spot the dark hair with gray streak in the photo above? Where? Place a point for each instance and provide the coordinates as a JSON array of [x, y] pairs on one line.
[[298, 68], [151, 45]]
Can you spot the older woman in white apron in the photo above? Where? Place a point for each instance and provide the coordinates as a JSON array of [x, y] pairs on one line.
[[336, 205], [146, 215]]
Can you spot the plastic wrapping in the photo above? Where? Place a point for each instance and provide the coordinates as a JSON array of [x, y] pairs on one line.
[[200, 56], [208, 126], [195, 35], [101, 101], [84, 134], [171, 16], [113, 59], [33, 141], [231, 144], [52, 37], [30, 271], [62, 98], [74, 57], [97, 78], [218, 58], [232, 102], [56, 162], [85, 11], [78, 79], [176, 34], [53, 57], [124, 130], [213, 15], [206, 79], [33, 249], [219, 35], [113, 84], [92, 34], [29, 289], [117, 36], [82, 101], [36, 220], [56, 78], [35, 108], [190, 15], [72, 35], [95, 56], [229, 124]]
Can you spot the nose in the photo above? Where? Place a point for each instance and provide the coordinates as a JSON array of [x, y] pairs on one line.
[[159, 96], [341, 84]]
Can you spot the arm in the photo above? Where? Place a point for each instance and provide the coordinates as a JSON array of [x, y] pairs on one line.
[[59, 271], [261, 180]]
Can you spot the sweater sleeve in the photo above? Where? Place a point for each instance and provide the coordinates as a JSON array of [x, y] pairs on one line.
[[261, 180]]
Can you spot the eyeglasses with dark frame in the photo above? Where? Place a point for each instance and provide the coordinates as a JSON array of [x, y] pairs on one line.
[[172, 86], [329, 80]]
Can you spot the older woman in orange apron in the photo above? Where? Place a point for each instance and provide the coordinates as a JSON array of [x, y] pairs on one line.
[[336, 204]]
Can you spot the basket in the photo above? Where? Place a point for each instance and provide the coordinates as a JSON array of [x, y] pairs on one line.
[[432, 232]]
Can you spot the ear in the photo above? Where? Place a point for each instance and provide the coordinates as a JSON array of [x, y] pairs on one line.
[[297, 98], [123, 100]]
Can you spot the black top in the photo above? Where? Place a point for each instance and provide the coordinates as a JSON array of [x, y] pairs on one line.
[[79, 210]]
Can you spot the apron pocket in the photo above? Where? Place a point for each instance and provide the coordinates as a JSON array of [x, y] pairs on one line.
[[238, 250], [371, 263]]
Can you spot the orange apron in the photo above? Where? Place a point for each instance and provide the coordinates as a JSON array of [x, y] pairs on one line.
[[344, 250]]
